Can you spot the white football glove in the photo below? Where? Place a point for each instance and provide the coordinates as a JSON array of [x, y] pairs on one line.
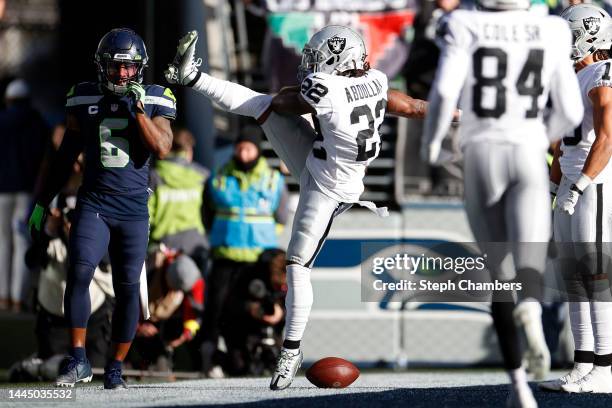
[[184, 68], [567, 201]]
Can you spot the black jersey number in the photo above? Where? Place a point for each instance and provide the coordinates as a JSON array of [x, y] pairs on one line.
[[531, 70], [318, 150], [363, 135], [574, 140], [315, 91]]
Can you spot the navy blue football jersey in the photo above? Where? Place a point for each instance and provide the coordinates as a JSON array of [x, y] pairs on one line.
[[116, 171]]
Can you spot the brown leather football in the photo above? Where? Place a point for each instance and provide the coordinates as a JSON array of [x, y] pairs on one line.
[[332, 372]]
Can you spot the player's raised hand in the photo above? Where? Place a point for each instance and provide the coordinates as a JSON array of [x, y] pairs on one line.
[[137, 93], [184, 67]]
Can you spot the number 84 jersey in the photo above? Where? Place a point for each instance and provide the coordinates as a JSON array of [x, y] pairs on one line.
[[505, 64], [349, 112], [576, 145]]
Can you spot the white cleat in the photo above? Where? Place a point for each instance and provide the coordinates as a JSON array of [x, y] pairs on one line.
[[571, 377], [528, 316], [598, 381], [521, 397], [286, 369], [184, 68]]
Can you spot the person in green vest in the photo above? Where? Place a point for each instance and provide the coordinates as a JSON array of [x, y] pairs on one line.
[[245, 201], [176, 203]]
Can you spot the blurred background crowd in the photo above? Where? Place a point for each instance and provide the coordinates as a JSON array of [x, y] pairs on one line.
[[216, 261]]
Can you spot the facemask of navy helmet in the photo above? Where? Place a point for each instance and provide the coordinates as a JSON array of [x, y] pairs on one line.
[[121, 57]]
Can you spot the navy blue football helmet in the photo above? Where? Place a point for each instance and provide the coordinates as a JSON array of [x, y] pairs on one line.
[[121, 57]]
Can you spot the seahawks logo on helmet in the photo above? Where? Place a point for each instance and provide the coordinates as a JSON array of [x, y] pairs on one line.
[[336, 44], [591, 24]]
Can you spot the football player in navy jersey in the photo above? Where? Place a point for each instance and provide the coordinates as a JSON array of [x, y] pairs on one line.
[[118, 123]]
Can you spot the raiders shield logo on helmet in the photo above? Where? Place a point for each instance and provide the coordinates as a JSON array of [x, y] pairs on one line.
[[591, 24], [336, 44]]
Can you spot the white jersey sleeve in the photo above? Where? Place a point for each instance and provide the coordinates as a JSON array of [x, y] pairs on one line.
[[349, 111]]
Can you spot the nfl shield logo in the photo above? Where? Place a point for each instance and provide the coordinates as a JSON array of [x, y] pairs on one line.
[[591, 24], [336, 44], [114, 107]]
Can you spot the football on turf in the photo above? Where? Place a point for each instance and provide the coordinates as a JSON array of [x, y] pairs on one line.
[[332, 372]]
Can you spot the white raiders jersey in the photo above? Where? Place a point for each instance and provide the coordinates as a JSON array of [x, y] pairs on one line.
[[507, 62], [576, 146], [349, 112]]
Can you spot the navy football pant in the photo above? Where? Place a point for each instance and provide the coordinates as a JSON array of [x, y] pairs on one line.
[[91, 235]]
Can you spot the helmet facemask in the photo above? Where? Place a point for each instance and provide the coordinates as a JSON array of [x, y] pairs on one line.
[[116, 73]]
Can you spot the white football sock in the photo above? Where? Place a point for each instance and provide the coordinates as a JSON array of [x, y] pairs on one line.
[[298, 301], [582, 330], [232, 97], [518, 376], [601, 320]]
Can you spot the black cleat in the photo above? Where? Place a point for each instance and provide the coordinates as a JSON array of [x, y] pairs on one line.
[[72, 371]]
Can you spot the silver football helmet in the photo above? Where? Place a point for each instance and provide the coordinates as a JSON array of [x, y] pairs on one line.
[[591, 29], [332, 50], [504, 5]]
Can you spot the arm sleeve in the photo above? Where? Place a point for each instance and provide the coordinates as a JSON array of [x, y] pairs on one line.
[[450, 76], [60, 166], [567, 110], [233, 97]]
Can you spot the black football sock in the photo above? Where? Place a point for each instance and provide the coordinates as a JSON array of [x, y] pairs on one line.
[[291, 344]]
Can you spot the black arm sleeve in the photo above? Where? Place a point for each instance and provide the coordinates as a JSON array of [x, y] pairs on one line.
[[60, 167]]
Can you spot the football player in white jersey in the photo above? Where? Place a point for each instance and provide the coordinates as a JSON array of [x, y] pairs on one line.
[[347, 101], [582, 178], [500, 63]]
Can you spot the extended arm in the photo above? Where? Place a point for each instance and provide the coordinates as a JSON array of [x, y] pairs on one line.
[[61, 162], [443, 98], [290, 101], [601, 151], [400, 104]]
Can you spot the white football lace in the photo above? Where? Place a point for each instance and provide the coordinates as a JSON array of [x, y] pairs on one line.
[[196, 63], [284, 363]]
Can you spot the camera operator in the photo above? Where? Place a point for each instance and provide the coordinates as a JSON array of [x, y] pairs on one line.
[[176, 300], [256, 316]]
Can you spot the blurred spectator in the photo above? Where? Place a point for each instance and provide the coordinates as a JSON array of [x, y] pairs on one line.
[[176, 204], [51, 327], [176, 302], [256, 310], [419, 72], [23, 137], [245, 199], [420, 68]]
